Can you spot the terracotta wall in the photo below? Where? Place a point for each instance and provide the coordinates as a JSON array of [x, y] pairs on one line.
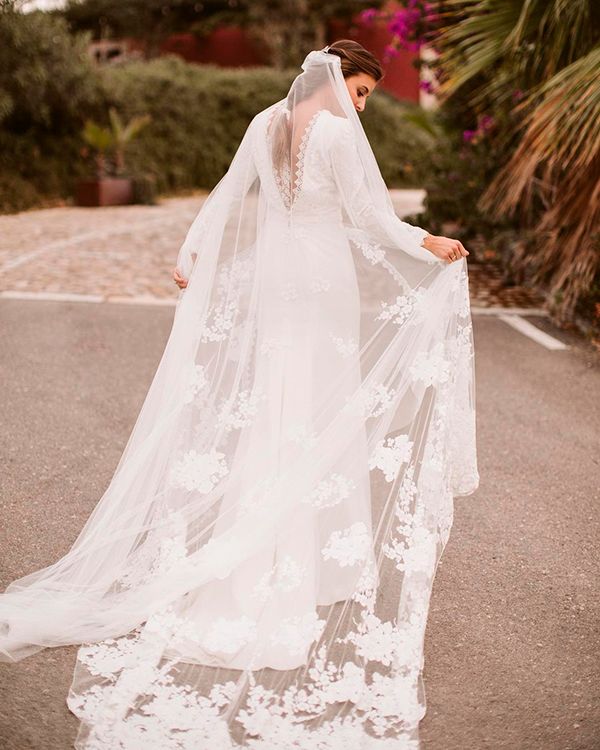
[[230, 47], [227, 46]]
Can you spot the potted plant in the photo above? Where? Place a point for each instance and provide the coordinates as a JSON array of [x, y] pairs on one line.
[[110, 186]]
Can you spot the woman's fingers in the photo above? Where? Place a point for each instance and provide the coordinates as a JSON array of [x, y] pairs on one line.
[[455, 250], [178, 279]]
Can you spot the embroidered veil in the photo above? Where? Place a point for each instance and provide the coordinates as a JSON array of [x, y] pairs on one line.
[[258, 572]]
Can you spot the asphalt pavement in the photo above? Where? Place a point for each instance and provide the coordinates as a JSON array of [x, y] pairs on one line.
[[512, 651]]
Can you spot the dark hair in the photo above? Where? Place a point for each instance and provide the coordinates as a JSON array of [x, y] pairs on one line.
[[356, 59]]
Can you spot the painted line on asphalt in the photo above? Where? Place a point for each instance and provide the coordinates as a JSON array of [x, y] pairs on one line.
[[528, 329], [498, 310], [511, 316], [52, 296], [502, 312], [67, 297], [143, 300]]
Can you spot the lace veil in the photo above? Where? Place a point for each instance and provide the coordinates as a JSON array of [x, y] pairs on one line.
[[258, 572]]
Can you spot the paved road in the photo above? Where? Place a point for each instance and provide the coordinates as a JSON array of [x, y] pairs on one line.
[[125, 253], [512, 642]]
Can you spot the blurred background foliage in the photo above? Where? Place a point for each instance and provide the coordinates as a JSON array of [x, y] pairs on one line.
[[49, 88], [519, 135], [283, 30], [510, 158]]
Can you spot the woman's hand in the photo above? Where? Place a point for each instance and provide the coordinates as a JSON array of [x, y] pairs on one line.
[[178, 279], [444, 248]]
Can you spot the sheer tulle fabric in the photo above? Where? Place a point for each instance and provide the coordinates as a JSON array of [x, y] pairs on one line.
[[258, 572]]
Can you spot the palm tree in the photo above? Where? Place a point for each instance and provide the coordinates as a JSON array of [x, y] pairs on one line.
[[547, 52]]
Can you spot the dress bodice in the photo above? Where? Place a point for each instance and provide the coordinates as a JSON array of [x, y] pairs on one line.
[[312, 194]]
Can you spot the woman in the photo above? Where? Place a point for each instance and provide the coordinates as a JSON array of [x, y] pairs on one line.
[[257, 573]]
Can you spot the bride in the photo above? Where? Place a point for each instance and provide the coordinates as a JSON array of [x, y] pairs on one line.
[[258, 572]]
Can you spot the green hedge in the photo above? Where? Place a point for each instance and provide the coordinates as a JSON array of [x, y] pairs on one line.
[[47, 84], [199, 115]]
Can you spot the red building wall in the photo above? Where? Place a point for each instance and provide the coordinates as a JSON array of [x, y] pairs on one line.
[[227, 46], [230, 47], [401, 76]]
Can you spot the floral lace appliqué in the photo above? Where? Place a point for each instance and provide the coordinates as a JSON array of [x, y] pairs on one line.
[[349, 546], [199, 471], [289, 185]]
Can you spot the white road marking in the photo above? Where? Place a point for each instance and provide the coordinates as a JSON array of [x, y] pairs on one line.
[[497, 310], [528, 329], [67, 297], [143, 300], [511, 316], [52, 296]]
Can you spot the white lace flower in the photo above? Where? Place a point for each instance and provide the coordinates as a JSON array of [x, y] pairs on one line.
[[405, 306], [297, 633], [464, 305], [199, 471], [286, 575], [329, 492], [346, 347], [232, 279], [370, 401], [378, 640], [320, 285], [365, 592], [228, 636], [108, 657], [289, 291], [301, 435], [372, 251], [349, 546], [196, 383], [390, 454], [431, 367], [416, 553], [348, 686], [238, 412], [219, 321], [392, 696]]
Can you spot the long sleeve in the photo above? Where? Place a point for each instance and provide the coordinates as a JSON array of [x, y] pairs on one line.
[[380, 222], [226, 197]]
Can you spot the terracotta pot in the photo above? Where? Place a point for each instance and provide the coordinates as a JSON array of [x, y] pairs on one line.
[[104, 191]]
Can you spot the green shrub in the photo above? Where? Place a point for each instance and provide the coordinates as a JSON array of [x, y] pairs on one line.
[[46, 76], [47, 83], [198, 116]]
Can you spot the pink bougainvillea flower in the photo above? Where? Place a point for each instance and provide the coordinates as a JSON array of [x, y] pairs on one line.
[[369, 15], [486, 122]]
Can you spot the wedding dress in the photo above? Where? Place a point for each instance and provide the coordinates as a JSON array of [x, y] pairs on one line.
[[258, 572]]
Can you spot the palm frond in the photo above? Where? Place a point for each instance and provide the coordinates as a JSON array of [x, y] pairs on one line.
[[562, 132], [533, 39]]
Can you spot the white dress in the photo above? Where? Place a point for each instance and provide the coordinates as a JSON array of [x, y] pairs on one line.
[[257, 573], [308, 324]]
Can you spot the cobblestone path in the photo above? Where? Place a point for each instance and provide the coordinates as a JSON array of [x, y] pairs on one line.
[[126, 253]]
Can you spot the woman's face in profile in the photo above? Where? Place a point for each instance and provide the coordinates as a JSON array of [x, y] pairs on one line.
[[360, 86]]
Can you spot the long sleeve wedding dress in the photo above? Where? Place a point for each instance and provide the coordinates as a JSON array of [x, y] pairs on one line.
[[258, 572]]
